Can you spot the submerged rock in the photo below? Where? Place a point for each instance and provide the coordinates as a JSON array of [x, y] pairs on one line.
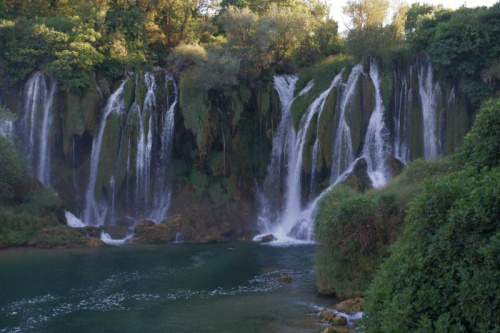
[[268, 238], [286, 279]]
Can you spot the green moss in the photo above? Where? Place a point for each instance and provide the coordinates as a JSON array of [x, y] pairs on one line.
[[216, 163], [199, 181], [109, 154], [193, 106], [328, 122], [78, 113], [236, 106], [216, 193], [354, 115], [309, 141]]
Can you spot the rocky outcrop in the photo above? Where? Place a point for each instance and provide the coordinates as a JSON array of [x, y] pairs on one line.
[[350, 306], [164, 232], [268, 238]]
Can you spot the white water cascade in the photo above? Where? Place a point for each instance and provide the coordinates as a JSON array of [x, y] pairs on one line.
[[35, 124], [376, 147], [293, 221], [95, 213], [343, 153], [430, 92], [144, 143], [162, 194], [402, 108]]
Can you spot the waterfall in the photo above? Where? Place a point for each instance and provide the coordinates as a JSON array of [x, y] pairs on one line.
[[281, 151], [293, 221], [35, 124], [144, 143], [375, 149], [343, 153], [95, 213], [429, 93], [7, 128], [402, 109], [162, 194], [288, 146]]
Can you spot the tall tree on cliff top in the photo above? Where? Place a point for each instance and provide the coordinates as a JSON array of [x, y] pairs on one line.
[[366, 13]]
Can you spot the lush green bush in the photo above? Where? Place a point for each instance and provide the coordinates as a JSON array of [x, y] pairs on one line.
[[443, 273], [481, 147], [355, 230], [11, 169]]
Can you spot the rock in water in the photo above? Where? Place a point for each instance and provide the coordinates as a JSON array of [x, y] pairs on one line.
[[340, 321], [268, 238], [327, 315], [350, 306]]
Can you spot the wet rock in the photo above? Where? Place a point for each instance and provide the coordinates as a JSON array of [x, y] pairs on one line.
[[285, 279], [359, 179], [143, 225], [327, 315], [90, 231], [116, 231], [150, 233], [333, 329], [350, 306], [339, 321], [396, 166], [268, 238]]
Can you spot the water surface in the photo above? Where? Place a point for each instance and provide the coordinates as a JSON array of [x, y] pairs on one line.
[[168, 288]]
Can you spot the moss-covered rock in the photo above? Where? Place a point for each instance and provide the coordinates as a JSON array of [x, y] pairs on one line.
[[163, 232]]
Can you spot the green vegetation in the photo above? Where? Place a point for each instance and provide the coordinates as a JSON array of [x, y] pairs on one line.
[[443, 272], [356, 230], [26, 208]]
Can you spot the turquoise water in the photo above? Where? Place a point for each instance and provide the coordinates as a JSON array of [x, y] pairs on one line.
[[169, 288]]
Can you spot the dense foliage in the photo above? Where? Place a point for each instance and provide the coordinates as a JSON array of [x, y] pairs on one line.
[[73, 39], [26, 207], [356, 229], [443, 272]]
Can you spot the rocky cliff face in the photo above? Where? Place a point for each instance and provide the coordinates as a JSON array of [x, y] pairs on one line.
[[152, 146]]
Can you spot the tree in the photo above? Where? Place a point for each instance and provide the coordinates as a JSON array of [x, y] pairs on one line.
[[366, 13]]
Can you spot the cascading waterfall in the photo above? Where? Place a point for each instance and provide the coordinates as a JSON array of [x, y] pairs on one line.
[[376, 148], [402, 108], [7, 128], [145, 143], [293, 221], [162, 194], [282, 146], [291, 144], [35, 124], [343, 153], [95, 213], [429, 92], [145, 147]]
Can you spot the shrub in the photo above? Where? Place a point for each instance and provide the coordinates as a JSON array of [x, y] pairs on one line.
[[355, 230], [481, 146], [11, 169], [443, 273]]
